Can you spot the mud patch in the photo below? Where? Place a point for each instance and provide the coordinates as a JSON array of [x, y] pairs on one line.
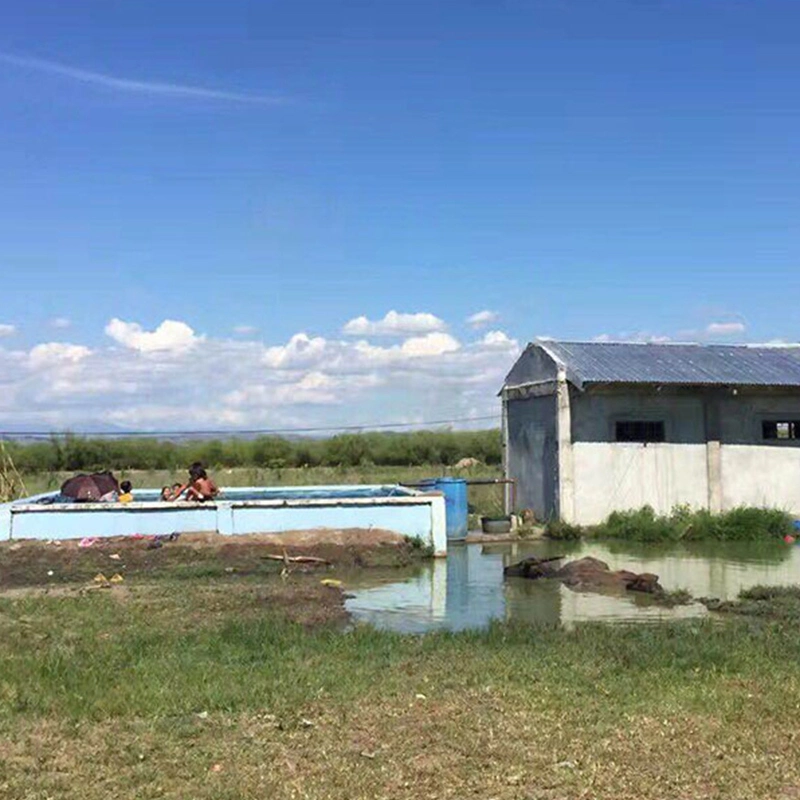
[[36, 563]]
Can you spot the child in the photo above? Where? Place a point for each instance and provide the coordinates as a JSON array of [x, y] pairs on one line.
[[166, 494], [200, 486], [126, 495]]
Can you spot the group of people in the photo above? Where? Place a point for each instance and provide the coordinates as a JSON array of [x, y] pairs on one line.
[[103, 487], [199, 487]]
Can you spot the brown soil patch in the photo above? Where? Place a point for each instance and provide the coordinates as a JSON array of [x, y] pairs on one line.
[[36, 563]]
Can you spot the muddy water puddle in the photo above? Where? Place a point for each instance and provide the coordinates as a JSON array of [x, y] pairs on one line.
[[467, 589]]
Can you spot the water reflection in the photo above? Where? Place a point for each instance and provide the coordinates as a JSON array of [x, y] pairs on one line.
[[467, 590]]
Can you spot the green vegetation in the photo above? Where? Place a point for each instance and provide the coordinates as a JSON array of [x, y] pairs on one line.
[[768, 602], [558, 529], [74, 453], [684, 525], [249, 687]]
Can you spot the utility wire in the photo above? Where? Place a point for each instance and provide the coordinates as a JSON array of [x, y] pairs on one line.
[[233, 432]]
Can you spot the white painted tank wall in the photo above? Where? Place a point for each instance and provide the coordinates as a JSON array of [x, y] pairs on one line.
[[611, 476]]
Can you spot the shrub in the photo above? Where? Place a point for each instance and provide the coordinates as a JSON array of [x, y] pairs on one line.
[[745, 524], [640, 525], [557, 529], [415, 448]]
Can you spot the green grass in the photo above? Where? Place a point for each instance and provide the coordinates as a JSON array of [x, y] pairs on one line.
[[684, 525], [218, 689], [765, 602]]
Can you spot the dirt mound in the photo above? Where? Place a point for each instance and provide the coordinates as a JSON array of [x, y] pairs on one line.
[[37, 563]]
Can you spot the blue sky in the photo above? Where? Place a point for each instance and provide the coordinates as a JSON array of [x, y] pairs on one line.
[[582, 168]]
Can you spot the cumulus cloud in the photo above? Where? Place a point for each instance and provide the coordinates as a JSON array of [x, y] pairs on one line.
[[170, 336], [301, 350], [395, 324], [309, 380], [245, 330], [483, 318], [725, 328], [60, 323], [497, 339], [57, 354], [432, 344], [7, 330]]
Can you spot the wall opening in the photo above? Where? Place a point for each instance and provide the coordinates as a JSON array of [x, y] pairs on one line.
[[639, 431], [780, 430]]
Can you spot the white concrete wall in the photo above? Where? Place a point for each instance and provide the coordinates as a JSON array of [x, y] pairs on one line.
[[627, 475], [761, 475]]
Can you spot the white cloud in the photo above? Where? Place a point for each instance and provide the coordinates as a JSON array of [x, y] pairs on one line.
[[483, 318], [433, 344], [498, 339], [57, 353], [60, 323], [245, 330], [159, 383], [395, 324], [152, 88], [170, 336], [301, 350], [725, 328], [7, 330]]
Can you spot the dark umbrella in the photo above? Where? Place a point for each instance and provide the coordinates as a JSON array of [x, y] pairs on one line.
[[88, 488]]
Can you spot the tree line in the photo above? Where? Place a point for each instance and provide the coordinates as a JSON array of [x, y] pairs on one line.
[[78, 453]]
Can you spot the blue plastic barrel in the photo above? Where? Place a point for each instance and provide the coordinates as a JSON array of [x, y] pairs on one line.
[[455, 501]]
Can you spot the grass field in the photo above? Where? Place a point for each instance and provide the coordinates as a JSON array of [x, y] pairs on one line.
[[250, 687]]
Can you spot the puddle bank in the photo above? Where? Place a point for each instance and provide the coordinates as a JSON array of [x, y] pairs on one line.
[[468, 591]]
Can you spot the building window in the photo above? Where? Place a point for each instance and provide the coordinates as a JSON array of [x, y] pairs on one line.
[[781, 430], [639, 431]]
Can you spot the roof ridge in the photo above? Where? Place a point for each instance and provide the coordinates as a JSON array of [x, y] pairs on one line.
[[628, 343]]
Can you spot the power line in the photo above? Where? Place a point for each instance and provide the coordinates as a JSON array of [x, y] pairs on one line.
[[233, 432]]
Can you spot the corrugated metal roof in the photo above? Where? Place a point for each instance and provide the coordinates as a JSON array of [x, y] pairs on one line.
[[737, 365]]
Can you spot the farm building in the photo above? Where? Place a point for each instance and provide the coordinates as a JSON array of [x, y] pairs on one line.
[[590, 428]]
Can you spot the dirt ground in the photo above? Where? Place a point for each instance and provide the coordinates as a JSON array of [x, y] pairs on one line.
[[58, 563]]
